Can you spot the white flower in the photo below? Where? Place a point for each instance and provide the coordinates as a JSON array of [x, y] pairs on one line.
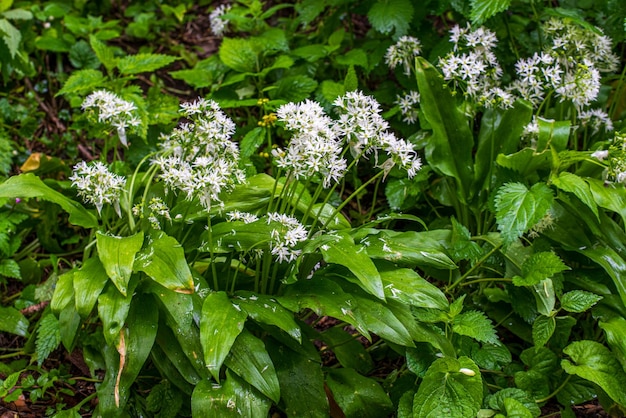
[[407, 104], [286, 237], [596, 118], [403, 52], [113, 110], [219, 24], [97, 185], [600, 154]]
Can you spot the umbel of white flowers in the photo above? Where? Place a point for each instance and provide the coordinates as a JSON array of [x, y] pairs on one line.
[[113, 110], [97, 185]]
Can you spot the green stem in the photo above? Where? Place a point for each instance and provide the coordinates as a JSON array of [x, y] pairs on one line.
[[474, 267], [487, 279], [212, 254], [557, 390]]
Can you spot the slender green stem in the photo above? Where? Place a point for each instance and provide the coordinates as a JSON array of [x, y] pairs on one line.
[[486, 279], [474, 267], [557, 390], [212, 254]]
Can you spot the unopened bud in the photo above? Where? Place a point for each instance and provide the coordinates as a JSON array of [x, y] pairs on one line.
[[467, 372]]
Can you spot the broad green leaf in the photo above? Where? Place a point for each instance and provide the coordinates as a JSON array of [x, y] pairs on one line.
[[449, 150], [143, 63], [518, 208], [388, 15], [250, 360], [492, 357], [461, 245], [117, 255], [82, 82], [17, 14], [475, 324], [351, 81], [608, 197], [294, 88], [579, 301], [357, 395], [301, 382], [113, 309], [351, 58], [233, 398], [69, 322], [239, 54], [543, 328], [419, 359], [406, 286], [12, 320], [10, 268], [450, 388], [264, 309], [545, 296], [571, 183], [527, 161], [220, 324], [349, 351], [381, 321], [88, 282], [82, 56], [164, 261], [484, 9], [105, 54], [576, 391], [539, 266], [30, 186], [615, 329], [11, 36], [553, 133], [172, 359], [251, 142], [498, 399], [345, 253], [63, 291], [594, 362]]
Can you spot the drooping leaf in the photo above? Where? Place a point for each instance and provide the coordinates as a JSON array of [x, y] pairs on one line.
[[88, 282], [451, 133], [381, 321], [475, 324], [579, 300], [143, 63], [543, 328], [576, 391], [518, 208], [164, 261], [234, 397], [406, 286], [595, 362], [572, 183], [451, 387], [117, 255], [484, 9], [388, 15], [31, 186], [358, 395], [526, 161], [12, 320], [250, 360], [264, 309], [220, 324]]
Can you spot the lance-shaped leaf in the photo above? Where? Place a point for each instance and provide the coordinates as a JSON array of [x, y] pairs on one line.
[[264, 309], [220, 325], [164, 261], [117, 255], [406, 286], [358, 395], [234, 397], [29, 186], [113, 309], [571, 183], [344, 252], [449, 150], [88, 283], [249, 359]]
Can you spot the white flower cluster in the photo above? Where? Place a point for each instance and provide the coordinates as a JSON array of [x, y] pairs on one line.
[[97, 185], [570, 65], [113, 110], [219, 24], [473, 65], [286, 237], [408, 106], [365, 131], [314, 147], [595, 118], [198, 158], [615, 158], [245, 217], [403, 53]]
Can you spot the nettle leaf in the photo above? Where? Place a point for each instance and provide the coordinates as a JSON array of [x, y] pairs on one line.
[[294, 88], [239, 54], [539, 266], [358, 395], [450, 388], [596, 363], [484, 9], [82, 82], [498, 400], [463, 248], [11, 36], [10, 268], [518, 209], [48, 337], [82, 56], [143, 63], [388, 15], [475, 324], [105, 54], [579, 300], [543, 328]]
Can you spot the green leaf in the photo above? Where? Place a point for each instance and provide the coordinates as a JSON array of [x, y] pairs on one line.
[[143, 63], [543, 328], [492, 357], [497, 401], [462, 246], [30, 186], [239, 54], [475, 324], [553, 133], [358, 396], [615, 329], [545, 296], [249, 359], [351, 59], [88, 283], [594, 362], [381, 321], [349, 351], [579, 300], [419, 359], [527, 162], [164, 261], [105, 54], [345, 253], [48, 337], [234, 397], [10, 268], [63, 291], [113, 309], [484, 9], [266, 310], [387, 15], [17, 14], [294, 88], [220, 324], [301, 382], [406, 286], [608, 197], [539, 266], [571, 183], [82, 82], [251, 142], [82, 56], [11, 37], [451, 133], [450, 388], [518, 209], [576, 391], [351, 81], [12, 321], [117, 255]]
